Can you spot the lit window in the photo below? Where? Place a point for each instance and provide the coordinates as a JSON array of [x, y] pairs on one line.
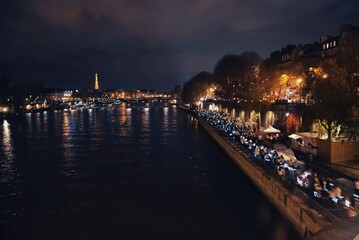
[[323, 46], [330, 44], [327, 45], [334, 43]]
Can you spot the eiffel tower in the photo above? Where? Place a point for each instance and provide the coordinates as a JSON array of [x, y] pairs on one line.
[[97, 86]]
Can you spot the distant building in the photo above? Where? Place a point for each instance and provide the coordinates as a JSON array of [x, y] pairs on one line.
[[327, 47], [293, 61], [54, 96]]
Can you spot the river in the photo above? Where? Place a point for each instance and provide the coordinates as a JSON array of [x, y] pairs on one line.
[[125, 173]]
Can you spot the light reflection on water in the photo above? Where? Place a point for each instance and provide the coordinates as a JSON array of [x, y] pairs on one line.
[[166, 125], [83, 173], [7, 141], [145, 135], [67, 139], [128, 126], [8, 169]]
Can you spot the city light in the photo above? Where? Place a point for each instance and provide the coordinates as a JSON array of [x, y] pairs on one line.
[[299, 81], [4, 109], [190, 120]]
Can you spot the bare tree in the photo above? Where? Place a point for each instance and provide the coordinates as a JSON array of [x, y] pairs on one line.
[[238, 75]]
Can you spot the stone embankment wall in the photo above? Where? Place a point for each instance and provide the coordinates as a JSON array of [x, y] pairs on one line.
[[305, 218]]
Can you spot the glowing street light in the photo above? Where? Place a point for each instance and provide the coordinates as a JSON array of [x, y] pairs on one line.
[[284, 79]]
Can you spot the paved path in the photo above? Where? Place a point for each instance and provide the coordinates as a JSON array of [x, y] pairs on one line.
[[349, 166], [344, 230]]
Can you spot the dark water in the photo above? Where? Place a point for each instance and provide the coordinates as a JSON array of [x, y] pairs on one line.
[[125, 174]]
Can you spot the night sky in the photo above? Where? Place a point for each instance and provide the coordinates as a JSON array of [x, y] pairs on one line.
[[151, 44]]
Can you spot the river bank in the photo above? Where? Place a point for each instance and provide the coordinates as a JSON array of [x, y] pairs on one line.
[[306, 216]]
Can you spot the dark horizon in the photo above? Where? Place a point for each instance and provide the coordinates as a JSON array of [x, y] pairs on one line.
[[156, 45]]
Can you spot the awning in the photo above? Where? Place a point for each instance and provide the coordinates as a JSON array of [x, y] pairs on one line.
[[294, 136], [271, 129]]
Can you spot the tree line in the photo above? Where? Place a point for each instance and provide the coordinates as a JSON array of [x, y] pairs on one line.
[[330, 86]]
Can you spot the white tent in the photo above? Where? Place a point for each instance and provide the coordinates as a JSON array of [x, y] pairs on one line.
[[271, 129], [285, 152], [294, 136]]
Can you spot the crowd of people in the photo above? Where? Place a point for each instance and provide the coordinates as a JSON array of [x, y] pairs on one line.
[[319, 187]]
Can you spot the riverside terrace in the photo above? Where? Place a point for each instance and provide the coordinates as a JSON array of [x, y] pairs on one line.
[[338, 195]]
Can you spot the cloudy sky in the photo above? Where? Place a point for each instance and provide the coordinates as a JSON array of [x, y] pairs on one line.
[[152, 44]]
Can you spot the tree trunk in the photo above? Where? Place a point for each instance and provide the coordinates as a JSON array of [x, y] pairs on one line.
[[329, 130], [328, 127]]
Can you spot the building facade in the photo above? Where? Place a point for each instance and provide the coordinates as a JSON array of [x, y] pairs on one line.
[[294, 62]]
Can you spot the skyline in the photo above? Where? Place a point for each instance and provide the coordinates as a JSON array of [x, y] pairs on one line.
[[154, 45]]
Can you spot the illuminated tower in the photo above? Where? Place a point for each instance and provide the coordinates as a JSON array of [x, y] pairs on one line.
[[96, 82]]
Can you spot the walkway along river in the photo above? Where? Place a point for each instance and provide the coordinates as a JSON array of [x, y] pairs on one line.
[[307, 216]]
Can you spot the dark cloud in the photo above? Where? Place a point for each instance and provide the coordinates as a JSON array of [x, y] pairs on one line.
[[151, 44]]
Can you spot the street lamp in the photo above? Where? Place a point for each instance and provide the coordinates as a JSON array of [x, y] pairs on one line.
[[283, 80]]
